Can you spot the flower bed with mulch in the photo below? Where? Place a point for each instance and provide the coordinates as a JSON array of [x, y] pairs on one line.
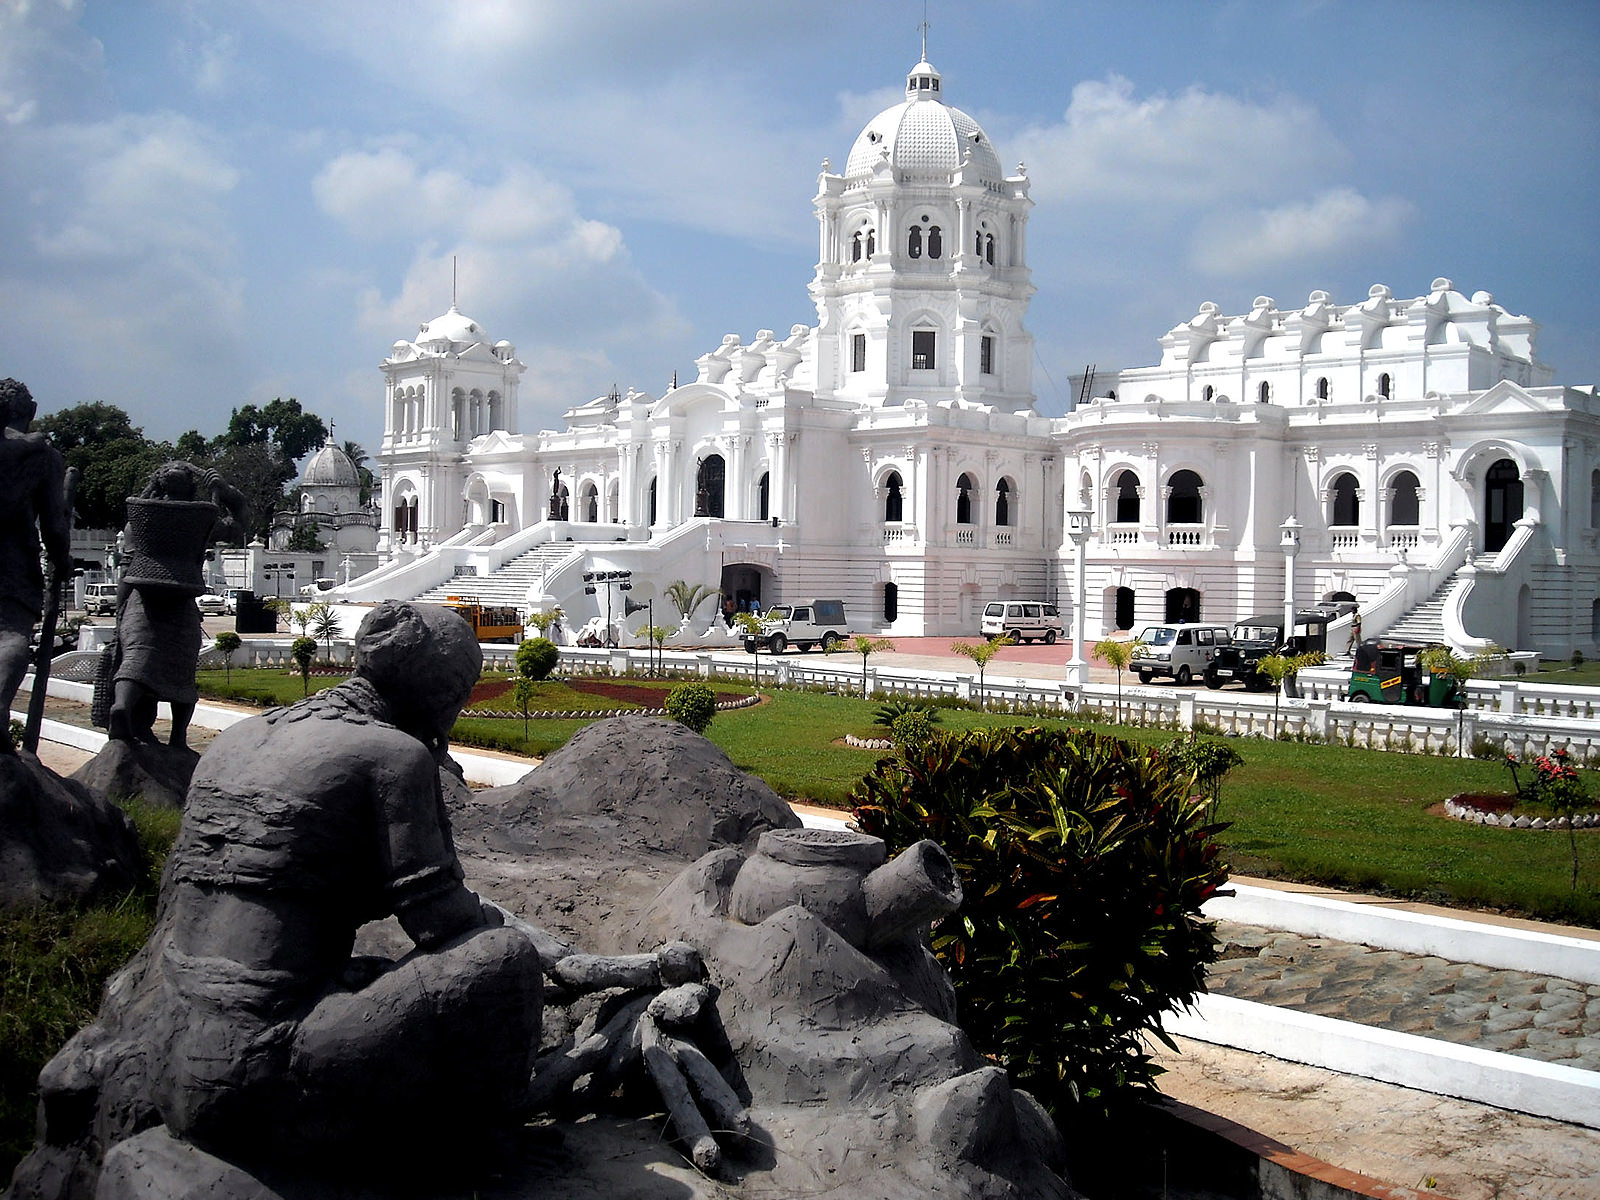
[[613, 696], [1501, 808]]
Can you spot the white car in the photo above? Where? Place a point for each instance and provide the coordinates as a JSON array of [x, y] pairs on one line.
[[211, 604]]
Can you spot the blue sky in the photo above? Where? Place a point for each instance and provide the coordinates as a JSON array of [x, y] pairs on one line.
[[209, 204]]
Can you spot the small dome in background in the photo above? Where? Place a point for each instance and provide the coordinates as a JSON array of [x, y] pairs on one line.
[[330, 467]]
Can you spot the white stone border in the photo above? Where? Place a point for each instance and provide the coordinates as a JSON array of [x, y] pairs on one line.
[[1479, 816], [1426, 1064], [1375, 924]]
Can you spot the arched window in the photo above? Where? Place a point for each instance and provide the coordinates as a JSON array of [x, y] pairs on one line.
[[986, 354], [1183, 500], [924, 350], [1323, 389], [935, 242], [893, 501], [708, 486], [1208, 393], [1264, 393], [891, 603], [1404, 506], [988, 248], [964, 488], [589, 503], [1123, 608], [855, 247], [872, 242], [651, 501], [914, 242], [1344, 506], [764, 497], [1002, 503], [1384, 385], [1127, 501]]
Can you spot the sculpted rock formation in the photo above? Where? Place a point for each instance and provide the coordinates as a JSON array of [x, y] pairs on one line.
[[59, 841], [782, 1006]]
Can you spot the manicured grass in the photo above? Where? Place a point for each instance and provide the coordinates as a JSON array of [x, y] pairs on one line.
[[1588, 675], [1329, 814]]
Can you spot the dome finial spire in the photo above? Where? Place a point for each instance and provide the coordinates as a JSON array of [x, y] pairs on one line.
[[924, 28]]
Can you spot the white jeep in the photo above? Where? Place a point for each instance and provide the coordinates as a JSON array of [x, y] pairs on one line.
[[810, 623]]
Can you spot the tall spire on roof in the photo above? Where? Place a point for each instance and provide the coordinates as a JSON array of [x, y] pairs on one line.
[[924, 28]]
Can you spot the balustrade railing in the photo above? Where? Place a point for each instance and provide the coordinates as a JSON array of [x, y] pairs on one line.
[[1186, 535]]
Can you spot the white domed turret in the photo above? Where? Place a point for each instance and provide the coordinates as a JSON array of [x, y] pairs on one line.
[[330, 467], [922, 280]]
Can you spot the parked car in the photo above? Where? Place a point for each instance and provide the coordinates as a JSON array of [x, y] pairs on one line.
[[211, 604], [1392, 673], [1025, 619], [1256, 637], [100, 599], [1178, 651], [811, 623]]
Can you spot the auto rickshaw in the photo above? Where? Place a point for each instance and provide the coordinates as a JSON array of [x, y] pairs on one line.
[[1391, 673]]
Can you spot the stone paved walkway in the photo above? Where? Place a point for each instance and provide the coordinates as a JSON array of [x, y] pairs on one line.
[[1534, 1016]]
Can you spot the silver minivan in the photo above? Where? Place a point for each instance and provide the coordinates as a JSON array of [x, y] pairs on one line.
[[100, 599], [1180, 652], [1025, 619]]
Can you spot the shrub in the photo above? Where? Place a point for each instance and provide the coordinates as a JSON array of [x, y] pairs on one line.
[[536, 658], [1084, 862], [891, 711], [911, 730], [692, 704], [1577, 659]]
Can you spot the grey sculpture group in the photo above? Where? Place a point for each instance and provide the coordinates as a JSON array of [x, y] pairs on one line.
[[784, 1004]]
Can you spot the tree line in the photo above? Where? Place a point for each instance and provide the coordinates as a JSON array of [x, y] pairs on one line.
[[256, 453]]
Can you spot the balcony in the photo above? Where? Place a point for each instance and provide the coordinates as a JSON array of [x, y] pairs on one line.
[[1124, 534], [964, 535], [1186, 536], [899, 534], [1002, 539]]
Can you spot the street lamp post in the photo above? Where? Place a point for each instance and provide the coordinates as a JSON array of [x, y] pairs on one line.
[[1078, 529], [1289, 542]]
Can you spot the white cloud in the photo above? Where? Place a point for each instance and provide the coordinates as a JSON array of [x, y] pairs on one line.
[[47, 64], [1333, 223], [1181, 150], [385, 193], [134, 185]]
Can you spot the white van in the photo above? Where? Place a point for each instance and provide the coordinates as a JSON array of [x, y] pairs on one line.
[[1024, 619], [100, 599], [1181, 652]]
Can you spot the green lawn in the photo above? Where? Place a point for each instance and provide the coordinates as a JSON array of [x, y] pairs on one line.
[[1330, 814]]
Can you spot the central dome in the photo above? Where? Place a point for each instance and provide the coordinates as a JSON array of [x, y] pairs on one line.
[[923, 136]]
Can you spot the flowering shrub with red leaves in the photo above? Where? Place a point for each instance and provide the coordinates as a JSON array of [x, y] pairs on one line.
[[1553, 781]]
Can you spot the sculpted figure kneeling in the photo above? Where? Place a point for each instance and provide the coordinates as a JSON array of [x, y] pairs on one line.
[[301, 825]]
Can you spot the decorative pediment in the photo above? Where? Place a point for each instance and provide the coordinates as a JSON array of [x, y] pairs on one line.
[[1505, 396]]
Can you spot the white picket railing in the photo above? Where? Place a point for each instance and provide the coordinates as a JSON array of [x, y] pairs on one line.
[[1501, 714]]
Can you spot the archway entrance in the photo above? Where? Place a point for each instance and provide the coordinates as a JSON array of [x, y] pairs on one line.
[[742, 584], [1502, 504], [1183, 604], [708, 486]]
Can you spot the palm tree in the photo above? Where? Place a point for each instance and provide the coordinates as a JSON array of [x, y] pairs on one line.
[[325, 626], [981, 653], [1119, 654], [686, 597], [866, 647]]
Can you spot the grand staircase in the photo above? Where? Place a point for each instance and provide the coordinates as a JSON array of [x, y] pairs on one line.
[[510, 583], [1425, 622]]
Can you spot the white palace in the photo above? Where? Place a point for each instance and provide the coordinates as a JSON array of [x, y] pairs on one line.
[[1408, 453]]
